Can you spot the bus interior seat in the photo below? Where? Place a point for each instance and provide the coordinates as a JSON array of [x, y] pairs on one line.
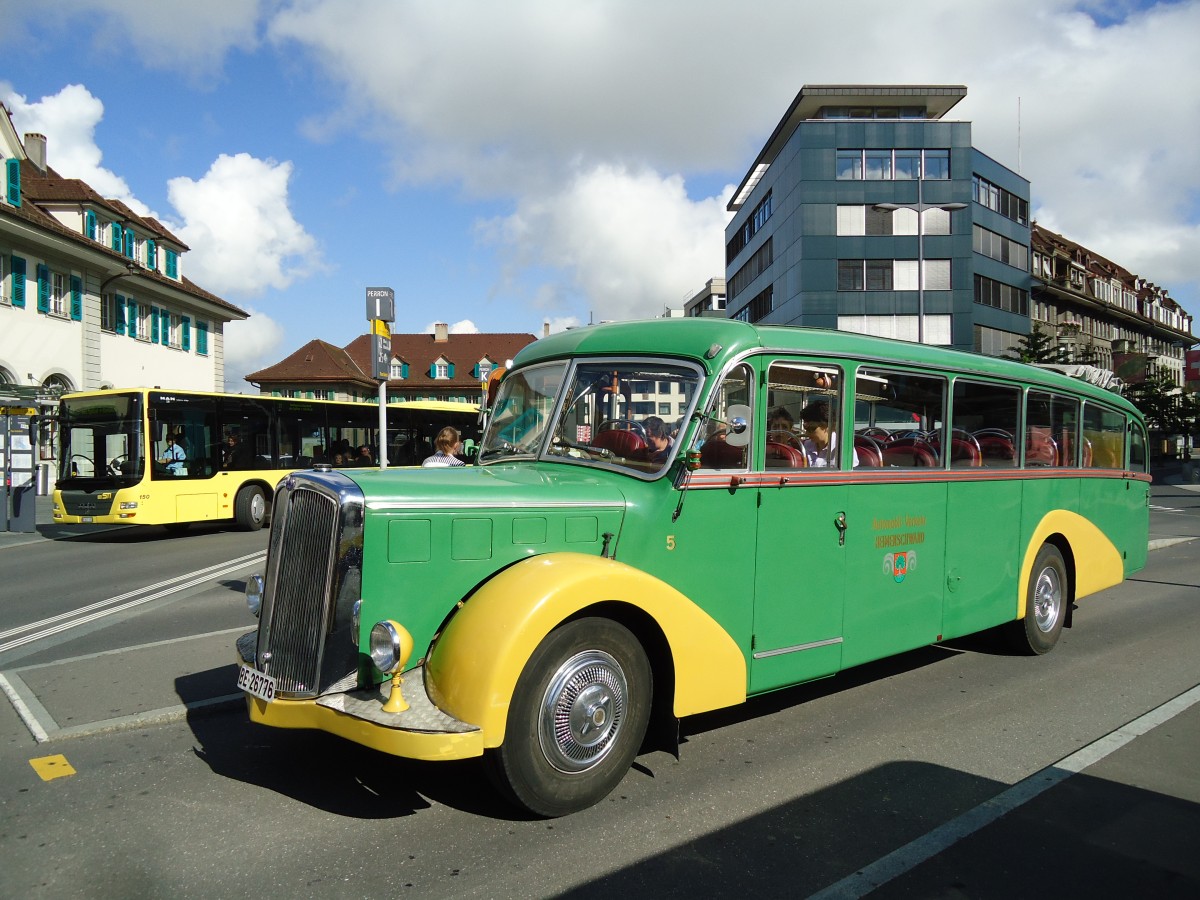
[[621, 443], [965, 452], [721, 455], [910, 453], [1040, 448], [996, 450], [869, 450], [781, 456]]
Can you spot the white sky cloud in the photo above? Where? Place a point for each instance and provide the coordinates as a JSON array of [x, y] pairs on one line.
[[597, 121], [465, 326], [243, 235], [250, 345], [68, 119]]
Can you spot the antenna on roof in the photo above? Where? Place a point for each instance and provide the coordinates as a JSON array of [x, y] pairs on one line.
[[1018, 135]]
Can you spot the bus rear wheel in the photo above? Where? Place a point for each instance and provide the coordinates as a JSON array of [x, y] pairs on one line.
[[577, 720], [250, 508], [1046, 600]]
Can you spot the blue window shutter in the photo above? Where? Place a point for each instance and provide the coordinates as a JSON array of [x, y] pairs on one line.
[[172, 264], [18, 282], [130, 242], [154, 325], [13, 171], [450, 371], [131, 318], [433, 370], [43, 298], [202, 339], [404, 371], [475, 372], [76, 298], [151, 254], [186, 328], [89, 224], [119, 309], [116, 236]]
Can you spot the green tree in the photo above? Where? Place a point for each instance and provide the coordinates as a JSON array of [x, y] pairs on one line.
[[1038, 347], [1165, 409]]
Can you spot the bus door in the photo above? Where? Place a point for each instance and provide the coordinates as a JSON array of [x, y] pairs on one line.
[[895, 515], [800, 563]]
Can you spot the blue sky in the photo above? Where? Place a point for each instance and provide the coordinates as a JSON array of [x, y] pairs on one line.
[[505, 165]]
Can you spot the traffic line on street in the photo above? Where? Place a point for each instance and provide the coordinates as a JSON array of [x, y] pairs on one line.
[[83, 615], [904, 859], [43, 727]]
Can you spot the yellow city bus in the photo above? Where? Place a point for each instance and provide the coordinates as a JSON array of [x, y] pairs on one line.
[[154, 457]]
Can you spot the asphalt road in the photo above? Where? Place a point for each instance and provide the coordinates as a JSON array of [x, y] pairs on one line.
[[953, 771]]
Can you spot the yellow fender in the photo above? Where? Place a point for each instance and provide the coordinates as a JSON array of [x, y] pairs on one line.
[[473, 669], [1098, 563]]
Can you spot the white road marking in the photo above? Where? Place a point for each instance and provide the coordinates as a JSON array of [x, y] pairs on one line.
[[912, 854], [65, 621]]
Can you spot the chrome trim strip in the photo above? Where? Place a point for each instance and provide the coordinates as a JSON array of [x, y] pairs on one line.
[[782, 650]]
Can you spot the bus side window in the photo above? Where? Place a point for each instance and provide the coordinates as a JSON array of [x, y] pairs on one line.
[[984, 425], [903, 414], [721, 444]]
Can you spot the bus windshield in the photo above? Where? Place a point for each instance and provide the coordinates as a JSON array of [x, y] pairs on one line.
[[621, 412], [101, 440]]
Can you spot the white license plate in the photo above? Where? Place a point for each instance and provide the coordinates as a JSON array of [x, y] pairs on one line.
[[87, 520], [254, 682]]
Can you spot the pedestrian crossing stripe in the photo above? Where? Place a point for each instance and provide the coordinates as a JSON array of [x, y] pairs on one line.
[[51, 767]]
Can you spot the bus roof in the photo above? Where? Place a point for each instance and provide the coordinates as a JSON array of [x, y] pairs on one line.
[[426, 405], [714, 342]]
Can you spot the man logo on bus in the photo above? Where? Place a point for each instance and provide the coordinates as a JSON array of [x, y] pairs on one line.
[[899, 564]]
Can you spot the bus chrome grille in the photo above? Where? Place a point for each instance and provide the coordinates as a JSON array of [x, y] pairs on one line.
[[313, 576]]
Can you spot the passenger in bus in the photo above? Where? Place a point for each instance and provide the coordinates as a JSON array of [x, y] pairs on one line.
[[781, 428], [447, 443], [235, 453], [820, 440], [365, 457], [658, 436], [174, 456]]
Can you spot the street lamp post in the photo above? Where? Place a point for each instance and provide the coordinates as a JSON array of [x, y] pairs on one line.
[[920, 208]]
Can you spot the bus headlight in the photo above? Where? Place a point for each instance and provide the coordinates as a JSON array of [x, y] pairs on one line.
[[254, 594], [391, 645]]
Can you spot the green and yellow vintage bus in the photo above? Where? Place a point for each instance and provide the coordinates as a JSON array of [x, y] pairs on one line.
[[154, 457], [669, 517]]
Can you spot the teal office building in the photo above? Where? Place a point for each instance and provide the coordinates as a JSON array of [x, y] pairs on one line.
[[868, 210]]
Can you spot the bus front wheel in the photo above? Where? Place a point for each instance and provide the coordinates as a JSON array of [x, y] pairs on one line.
[[1046, 601], [577, 719], [250, 508]]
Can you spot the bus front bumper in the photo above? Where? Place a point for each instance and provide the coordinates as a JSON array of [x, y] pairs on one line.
[[421, 732]]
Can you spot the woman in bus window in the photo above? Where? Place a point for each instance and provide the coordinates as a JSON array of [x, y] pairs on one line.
[[447, 443]]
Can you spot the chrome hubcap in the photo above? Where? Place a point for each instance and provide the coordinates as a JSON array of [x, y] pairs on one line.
[[258, 507], [1047, 599], [582, 711]]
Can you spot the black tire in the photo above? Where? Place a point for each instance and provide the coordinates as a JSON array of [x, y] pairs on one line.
[[1046, 599], [577, 720], [250, 508]]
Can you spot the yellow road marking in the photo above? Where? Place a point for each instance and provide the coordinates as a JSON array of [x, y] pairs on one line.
[[51, 767]]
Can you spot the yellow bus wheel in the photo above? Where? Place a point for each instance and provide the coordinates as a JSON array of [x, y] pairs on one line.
[[578, 717]]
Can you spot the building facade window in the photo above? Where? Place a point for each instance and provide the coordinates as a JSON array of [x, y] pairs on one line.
[[1005, 250], [892, 275], [58, 294], [994, 341], [758, 307], [754, 266], [999, 200], [755, 221], [999, 295], [880, 164]]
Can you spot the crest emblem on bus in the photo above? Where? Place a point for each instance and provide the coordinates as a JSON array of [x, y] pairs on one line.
[[899, 564]]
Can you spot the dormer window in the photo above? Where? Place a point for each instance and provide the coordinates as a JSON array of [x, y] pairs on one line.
[[397, 371], [442, 369], [483, 369]]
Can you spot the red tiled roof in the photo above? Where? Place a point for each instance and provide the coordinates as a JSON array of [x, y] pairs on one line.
[[421, 351], [317, 362]]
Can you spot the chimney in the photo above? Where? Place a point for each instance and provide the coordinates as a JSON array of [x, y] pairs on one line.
[[35, 149], [441, 333], [546, 328]]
